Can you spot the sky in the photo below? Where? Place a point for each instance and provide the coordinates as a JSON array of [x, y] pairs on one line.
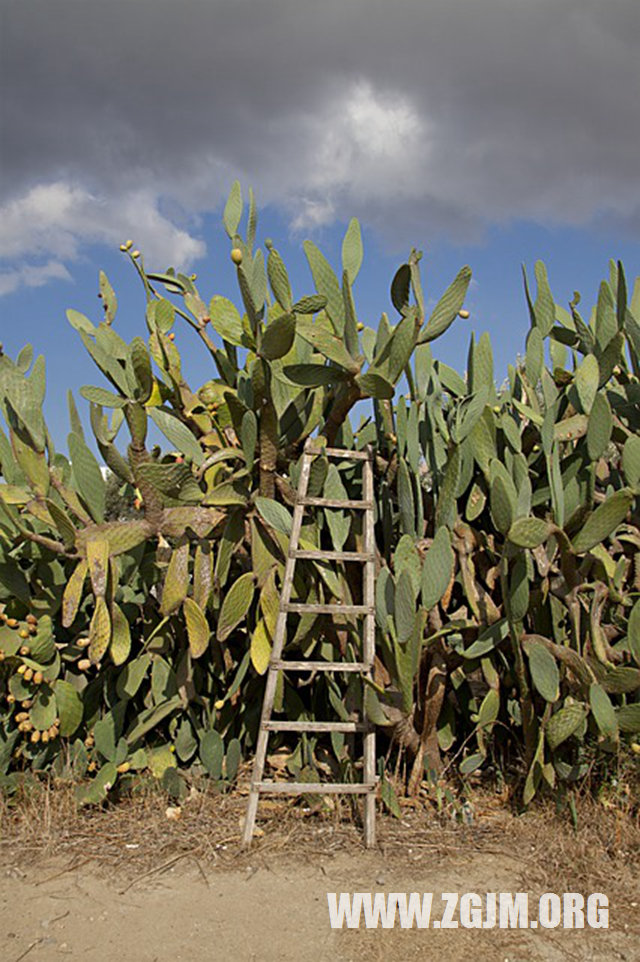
[[489, 133]]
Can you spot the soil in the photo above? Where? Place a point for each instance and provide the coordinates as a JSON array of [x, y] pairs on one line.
[[130, 883]]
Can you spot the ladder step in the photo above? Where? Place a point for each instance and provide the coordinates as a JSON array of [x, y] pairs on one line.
[[336, 503], [306, 609], [347, 455], [314, 726], [332, 555], [317, 788], [281, 663]]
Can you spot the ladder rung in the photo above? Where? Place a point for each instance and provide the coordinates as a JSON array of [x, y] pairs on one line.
[[332, 555], [336, 503], [314, 726], [347, 455], [317, 788], [306, 609], [281, 663]]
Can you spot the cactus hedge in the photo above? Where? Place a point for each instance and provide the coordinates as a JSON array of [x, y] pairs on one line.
[[135, 630]]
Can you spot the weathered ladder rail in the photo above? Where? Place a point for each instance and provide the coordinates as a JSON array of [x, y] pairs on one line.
[[365, 667]]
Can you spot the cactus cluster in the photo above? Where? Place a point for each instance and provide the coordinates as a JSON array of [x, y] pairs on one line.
[[507, 597], [517, 510]]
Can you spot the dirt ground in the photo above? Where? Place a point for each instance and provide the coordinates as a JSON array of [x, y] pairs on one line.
[[129, 883]]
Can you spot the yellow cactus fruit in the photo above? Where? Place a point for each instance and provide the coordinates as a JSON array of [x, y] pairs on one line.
[[1, 655], [28, 675], [635, 747], [35, 737], [236, 256], [21, 669], [22, 716], [360, 326], [38, 678], [45, 737], [84, 664], [31, 620], [24, 650], [128, 245], [219, 704], [171, 336], [135, 254], [464, 314], [83, 642], [12, 622], [123, 768], [11, 699], [27, 703], [89, 741], [53, 732]]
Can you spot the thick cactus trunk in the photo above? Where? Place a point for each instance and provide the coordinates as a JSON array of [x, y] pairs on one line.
[[268, 448]]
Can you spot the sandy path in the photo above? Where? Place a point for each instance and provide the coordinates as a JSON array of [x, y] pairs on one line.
[[273, 910]]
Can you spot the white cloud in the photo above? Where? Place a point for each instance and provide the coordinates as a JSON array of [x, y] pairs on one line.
[[57, 219], [362, 142], [32, 275]]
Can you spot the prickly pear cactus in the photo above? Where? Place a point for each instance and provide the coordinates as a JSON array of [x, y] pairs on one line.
[[137, 626], [517, 514]]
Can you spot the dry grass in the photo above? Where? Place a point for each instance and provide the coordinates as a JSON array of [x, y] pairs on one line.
[[135, 837]]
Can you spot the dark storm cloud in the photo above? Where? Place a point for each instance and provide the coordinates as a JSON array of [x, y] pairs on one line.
[[451, 115]]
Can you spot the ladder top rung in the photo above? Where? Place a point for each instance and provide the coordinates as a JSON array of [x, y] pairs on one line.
[[342, 453], [318, 555], [316, 788], [336, 503], [315, 726], [309, 609], [281, 663]]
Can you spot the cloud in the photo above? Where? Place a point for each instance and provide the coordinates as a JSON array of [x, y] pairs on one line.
[[438, 116], [58, 218], [32, 275], [358, 139]]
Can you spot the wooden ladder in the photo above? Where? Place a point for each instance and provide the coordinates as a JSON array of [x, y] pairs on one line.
[[365, 667]]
